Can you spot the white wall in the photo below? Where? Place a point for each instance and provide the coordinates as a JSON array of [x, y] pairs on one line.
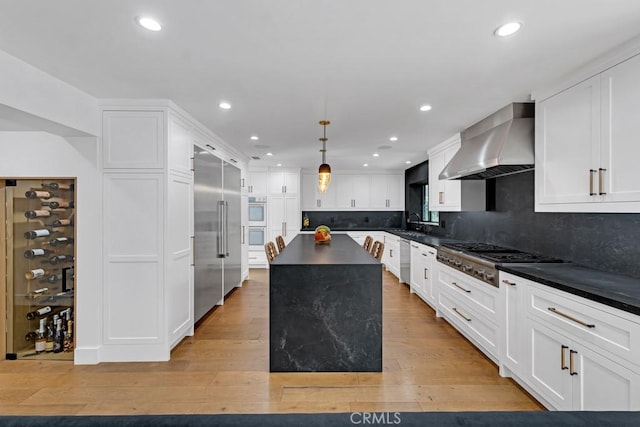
[[40, 154]]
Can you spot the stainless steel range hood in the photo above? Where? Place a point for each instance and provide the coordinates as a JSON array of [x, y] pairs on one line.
[[501, 144]]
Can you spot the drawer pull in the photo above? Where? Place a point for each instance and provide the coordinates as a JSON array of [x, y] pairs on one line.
[[571, 370], [432, 253], [563, 365], [591, 175], [588, 325], [461, 315], [460, 287], [505, 281]]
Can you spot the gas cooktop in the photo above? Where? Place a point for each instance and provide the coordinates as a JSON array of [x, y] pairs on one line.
[[499, 254]]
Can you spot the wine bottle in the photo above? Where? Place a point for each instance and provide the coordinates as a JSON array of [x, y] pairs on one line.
[[61, 258], [39, 312], [48, 347], [41, 232], [38, 194], [58, 339], [36, 252], [34, 274], [59, 241], [60, 223], [37, 213], [31, 336], [38, 293], [41, 341], [58, 186], [68, 337], [61, 205]]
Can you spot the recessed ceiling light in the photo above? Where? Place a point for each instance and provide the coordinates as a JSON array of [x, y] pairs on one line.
[[269, 154], [279, 164], [376, 155], [254, 138], [148, 23], [408, 162], [507, 29], [365, 165], [393, 138], [225, 105], [425, 107]]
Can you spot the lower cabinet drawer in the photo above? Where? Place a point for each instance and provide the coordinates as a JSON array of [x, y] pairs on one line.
[[257, 257], [479, 295], [584, 320], [475, 326]]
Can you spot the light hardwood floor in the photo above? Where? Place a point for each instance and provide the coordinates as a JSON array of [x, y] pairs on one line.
[[224, 368]]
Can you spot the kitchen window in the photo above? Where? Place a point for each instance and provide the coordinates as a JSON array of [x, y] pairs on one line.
[[427, 215]]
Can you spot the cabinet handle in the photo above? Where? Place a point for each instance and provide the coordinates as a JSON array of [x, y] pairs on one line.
[[193, 164], [242, 231], [505, 281], [390, 253], [571, 370], [423, 254], [285, 229], [211, 146], [460, 287], [563, 365], [285, 188], [441, 197], [461, 315], [554, 310], [601, 172], [414, 246], [317, 203], [282, 228], [282, 188], [193, 251], [592, 173], [425, 273]]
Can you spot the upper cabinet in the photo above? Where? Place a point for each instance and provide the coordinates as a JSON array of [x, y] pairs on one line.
[[312, 199], [354, 192], [452, 195], [387, 192], [586, 144], [284, 182], [257, 183]]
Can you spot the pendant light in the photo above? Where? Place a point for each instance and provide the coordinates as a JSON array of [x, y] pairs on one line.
[[324, 171]]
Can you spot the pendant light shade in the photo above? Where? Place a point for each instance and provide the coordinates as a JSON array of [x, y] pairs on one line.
[[324, 171]]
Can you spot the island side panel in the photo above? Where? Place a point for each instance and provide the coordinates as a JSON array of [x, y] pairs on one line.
[[325, 318]]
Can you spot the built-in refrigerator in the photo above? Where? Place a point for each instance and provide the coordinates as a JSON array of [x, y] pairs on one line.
[[217, 240]]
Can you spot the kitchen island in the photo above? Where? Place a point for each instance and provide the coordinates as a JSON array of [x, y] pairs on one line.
[[325, 307]]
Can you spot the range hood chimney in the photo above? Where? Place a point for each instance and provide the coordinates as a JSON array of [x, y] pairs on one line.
[[501, 144]]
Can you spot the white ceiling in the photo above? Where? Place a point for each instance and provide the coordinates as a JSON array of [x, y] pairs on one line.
[[365, 65]]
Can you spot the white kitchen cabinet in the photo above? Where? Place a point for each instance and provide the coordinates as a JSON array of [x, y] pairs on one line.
[[512, 319], [586, 144], [391, 254], [581, 355], [571, 375], [352, 192], [257, 183], [387, 192], [447, 195], [283, 216], [472, 307], [312, 199], [422, 272], [285, 182]]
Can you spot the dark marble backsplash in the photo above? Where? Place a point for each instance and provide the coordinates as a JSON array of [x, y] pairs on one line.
[[353, 220], [609, 242]]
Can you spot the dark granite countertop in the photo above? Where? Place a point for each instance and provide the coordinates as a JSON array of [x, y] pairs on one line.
[[342, 250], [347, 229], [614, 290]]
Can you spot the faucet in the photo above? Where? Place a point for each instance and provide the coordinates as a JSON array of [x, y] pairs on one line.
[[413, 213]]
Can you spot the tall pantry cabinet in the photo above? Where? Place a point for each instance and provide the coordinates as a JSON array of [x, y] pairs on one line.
[[147, 191]]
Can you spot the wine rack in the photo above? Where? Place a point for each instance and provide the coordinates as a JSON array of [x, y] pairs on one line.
[[41, 268]]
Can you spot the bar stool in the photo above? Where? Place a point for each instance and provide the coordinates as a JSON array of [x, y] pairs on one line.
[[280, 243], [271, 251], [368, 241], [377, 250]]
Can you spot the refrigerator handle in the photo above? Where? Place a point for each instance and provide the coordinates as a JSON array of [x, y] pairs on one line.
[[220, 236], [226, 229]]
